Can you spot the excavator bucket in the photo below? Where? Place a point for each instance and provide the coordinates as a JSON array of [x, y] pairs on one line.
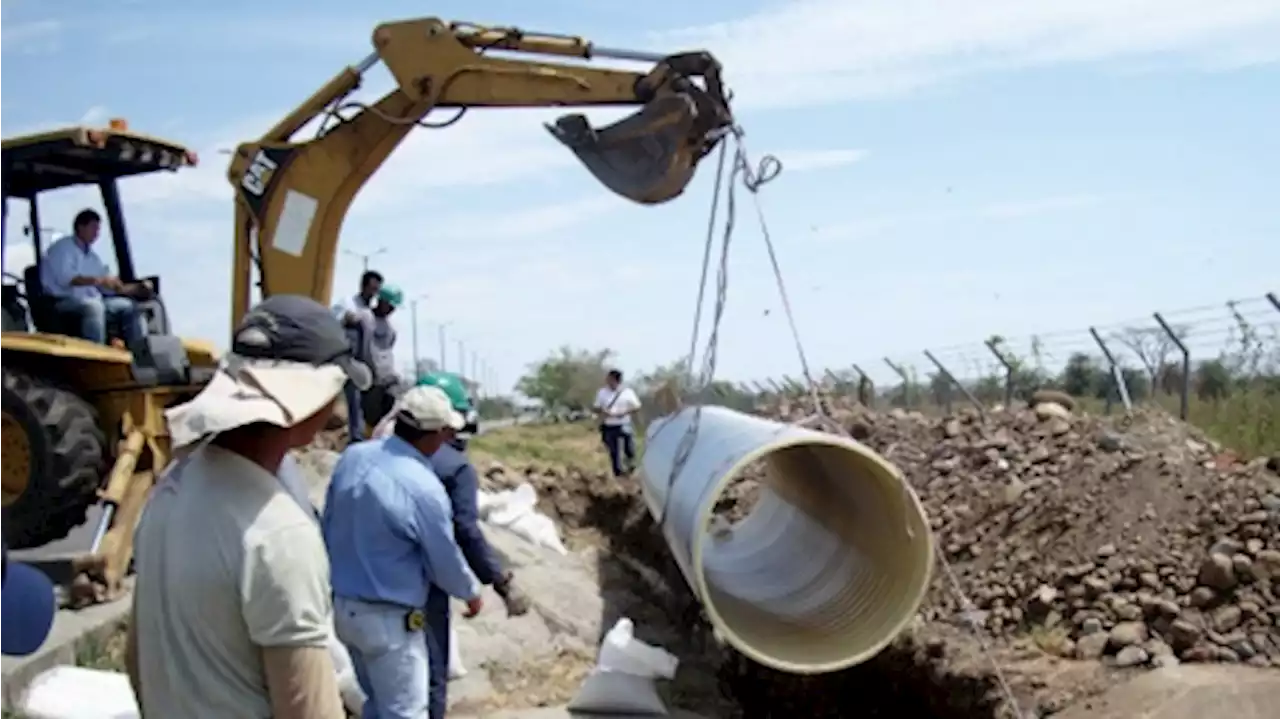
[[650, 156]]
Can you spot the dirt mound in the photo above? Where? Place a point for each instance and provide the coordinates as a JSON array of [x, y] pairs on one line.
[[1142, 544]]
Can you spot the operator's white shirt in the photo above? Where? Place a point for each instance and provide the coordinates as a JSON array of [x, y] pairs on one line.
[[626, 399], [228, 563]]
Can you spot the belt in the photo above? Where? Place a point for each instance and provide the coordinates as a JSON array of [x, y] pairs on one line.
[[415, 618]]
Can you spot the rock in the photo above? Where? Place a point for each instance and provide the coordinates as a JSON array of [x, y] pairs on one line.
[[1227, 618], [1217, 572], [1127, 633], [1131, 656], [1091, 646], [1184, 634], [1052, 411]]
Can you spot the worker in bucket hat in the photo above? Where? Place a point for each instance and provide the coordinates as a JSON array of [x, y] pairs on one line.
[[29, 607], [388, 526], [232, 606]]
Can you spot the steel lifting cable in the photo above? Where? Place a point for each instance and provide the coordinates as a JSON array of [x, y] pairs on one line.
[[710, 356], [967, 607]]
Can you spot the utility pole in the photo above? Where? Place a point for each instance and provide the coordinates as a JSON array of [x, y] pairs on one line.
[[462, 358], [444, 364], [366, 256], [413, 318]]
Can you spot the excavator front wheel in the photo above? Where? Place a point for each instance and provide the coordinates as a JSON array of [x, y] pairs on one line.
[[15, 471]]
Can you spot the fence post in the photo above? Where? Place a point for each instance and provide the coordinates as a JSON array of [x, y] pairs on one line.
[[835, 381], [1008, 371], [1275, 300], [946, 373], [866, 388], [1116, 375], [906, 383], [1185, 394]]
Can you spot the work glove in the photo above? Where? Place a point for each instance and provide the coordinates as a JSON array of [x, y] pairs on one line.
[[516, 601]]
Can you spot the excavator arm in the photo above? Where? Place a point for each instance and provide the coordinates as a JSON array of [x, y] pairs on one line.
[[292, 194]]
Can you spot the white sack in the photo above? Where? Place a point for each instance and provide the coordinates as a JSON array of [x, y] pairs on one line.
[[624, 679]]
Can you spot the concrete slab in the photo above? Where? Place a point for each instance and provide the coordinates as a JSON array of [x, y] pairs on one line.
[[72, 632], [1187, 691]]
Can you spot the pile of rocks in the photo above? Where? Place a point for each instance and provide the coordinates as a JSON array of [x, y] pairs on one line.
[[1147, 545]]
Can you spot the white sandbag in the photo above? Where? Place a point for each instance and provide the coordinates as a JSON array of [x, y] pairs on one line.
[[517, 510], [514, 504], [618, 693], [66, 692], [457, 669], [540, 530], [622, 652], [624, 678]]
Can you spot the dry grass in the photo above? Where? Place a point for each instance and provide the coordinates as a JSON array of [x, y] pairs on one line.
[[560, 445]]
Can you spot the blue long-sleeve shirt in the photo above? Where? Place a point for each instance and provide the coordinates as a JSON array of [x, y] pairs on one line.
[[463, 487], [67, 259], [388, 527]]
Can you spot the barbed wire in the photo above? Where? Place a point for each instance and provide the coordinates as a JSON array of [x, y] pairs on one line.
[[1244, 326]]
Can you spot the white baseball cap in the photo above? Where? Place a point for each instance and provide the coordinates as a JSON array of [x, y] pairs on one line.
[[429, 409]]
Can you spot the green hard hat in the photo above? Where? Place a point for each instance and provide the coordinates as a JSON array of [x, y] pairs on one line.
[[453, 386], [391, 295]]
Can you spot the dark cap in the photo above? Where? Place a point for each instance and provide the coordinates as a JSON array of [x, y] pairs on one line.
[[294, 328]]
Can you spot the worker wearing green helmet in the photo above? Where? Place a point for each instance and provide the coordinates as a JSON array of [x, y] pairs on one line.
[[455, 387], [462, 484]]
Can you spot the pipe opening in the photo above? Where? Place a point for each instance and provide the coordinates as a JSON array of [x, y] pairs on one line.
[[830, 553]]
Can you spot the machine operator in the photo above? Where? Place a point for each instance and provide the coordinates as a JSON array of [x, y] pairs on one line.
[[83, 286]]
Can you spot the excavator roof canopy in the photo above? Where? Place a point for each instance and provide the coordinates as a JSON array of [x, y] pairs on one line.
[[84, 156]]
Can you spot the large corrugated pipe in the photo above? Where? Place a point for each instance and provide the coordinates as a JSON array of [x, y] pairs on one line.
[[831, 563]]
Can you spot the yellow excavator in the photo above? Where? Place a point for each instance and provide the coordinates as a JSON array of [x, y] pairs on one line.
[[291, 197]]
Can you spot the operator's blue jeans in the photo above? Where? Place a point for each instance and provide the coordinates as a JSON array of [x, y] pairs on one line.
[[391, 663], [438, 620], [355, 412], [95, 312]]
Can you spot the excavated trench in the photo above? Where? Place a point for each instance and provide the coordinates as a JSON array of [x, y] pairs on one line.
[[640, 580]]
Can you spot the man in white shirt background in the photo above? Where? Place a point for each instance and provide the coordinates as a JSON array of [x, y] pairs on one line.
[[614, 405]]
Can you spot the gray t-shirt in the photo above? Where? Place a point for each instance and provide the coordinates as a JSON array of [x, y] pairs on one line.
[[228, 563], [382, 356]]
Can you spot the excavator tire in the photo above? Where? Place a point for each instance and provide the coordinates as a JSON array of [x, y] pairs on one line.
[[54, 460]]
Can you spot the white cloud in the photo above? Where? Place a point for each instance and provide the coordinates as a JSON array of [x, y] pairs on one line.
[[807, 52], [1039, 206], [31, 38], [806, 160]]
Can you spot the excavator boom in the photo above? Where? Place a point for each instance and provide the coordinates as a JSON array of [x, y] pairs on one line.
[[292, 195]]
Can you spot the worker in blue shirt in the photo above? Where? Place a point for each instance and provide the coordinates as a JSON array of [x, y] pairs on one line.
[[389, 531]]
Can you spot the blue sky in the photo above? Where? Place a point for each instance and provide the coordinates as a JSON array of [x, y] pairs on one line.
[[953, 169]]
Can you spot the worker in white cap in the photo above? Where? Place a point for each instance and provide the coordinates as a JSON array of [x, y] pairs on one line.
[[388, 525], [232, 607]]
